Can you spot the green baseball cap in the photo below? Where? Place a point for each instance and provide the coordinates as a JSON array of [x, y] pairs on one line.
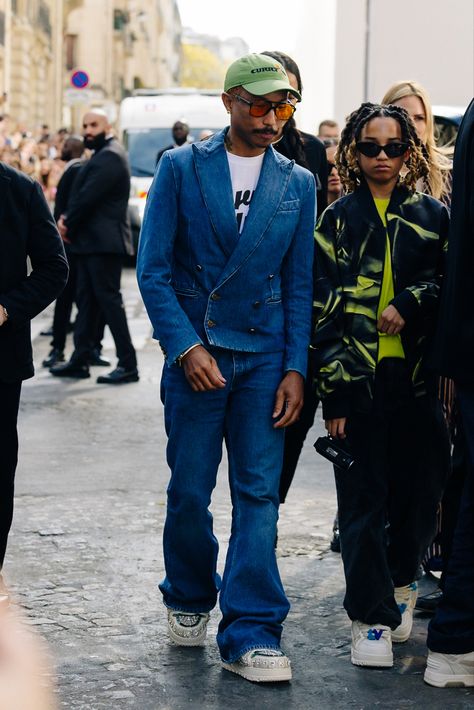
[[259, 75]]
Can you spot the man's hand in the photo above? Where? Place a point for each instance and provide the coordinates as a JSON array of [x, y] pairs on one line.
[[3, 315], [390, 322], [288, 400], [62, 229], [336, 428], [201, 370]]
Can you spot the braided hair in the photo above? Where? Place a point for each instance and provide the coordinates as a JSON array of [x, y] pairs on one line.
[[346, 155], [291, 144]]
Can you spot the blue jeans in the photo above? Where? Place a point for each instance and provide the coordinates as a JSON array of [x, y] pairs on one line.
[[452, 628], [252, 599]]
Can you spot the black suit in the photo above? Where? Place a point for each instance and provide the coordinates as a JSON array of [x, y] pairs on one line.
[[27, 229], [63, 307], [96, 218]]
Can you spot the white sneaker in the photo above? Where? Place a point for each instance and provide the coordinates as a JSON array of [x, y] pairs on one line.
[[446, 670], [261, 665], [187, 629], [406, 599], [371, 645]]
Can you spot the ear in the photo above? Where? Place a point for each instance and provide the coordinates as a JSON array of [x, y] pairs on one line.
[[227, 101]]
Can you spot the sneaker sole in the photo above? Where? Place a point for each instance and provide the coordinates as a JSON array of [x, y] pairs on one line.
[[259, 675], [360, 659], [187, 641], [442, 680], [401, 638]]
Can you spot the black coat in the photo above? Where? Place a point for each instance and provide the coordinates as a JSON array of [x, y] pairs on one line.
[[64, 189], [315, 161], [454, 353], [96, 215], [27, 229]]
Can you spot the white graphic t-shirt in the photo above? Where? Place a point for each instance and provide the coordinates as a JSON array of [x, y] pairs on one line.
[[244, 173]]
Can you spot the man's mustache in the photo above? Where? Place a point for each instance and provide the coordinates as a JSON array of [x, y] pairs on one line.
[[265, 131]]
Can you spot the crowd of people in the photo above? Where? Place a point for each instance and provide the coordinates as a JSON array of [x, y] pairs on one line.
[[263, 313]]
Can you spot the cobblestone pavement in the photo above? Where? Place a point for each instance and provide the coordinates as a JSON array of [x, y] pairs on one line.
[[85, 558]]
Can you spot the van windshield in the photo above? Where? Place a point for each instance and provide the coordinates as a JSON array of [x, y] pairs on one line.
[[144, 144]]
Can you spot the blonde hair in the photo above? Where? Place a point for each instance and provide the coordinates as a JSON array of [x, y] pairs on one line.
[[438, 181]]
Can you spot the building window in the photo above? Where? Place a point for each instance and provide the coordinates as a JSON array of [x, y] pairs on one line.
[[2, 29], [44, 21], [70, 44], [120, 20]]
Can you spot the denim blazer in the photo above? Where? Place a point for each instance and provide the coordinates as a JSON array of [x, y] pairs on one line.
[[204, 283]]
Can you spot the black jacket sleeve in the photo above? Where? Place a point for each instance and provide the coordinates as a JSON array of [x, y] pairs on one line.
[[49, 264]]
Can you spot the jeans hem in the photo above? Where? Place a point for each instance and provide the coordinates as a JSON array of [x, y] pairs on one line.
[[189, 610], [246, 649]]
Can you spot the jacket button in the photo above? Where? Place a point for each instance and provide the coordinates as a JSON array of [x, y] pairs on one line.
[[257, 304], [211, 324], [252, 331], [215, 297], [198, 267]]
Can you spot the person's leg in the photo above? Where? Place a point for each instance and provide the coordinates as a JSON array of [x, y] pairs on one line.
[[106, 270], [451, 631], [419, 455], [252, 599], [9, 404], [295, 436], [63, 306], [362, 494], [86, 313], [194, 424]]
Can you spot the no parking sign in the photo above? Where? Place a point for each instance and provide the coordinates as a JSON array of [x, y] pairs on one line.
[[80, 79]]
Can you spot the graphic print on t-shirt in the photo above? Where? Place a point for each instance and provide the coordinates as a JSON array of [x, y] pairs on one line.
[[244, 174]]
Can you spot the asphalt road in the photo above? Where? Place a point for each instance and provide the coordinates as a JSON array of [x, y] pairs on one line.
[[85, 558]]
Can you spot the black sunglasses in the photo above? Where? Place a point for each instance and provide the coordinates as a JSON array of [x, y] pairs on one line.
[[331, 167], [257, 109], [372, 150]]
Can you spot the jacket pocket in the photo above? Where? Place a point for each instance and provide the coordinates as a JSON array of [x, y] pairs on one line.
[[289, 206]]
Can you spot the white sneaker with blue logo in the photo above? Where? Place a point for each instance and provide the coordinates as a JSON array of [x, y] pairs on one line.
[[371, 645], [406, 599]]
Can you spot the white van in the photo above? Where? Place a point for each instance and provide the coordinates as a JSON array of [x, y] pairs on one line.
[[145, 122]]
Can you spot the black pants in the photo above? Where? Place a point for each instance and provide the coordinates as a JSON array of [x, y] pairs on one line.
[[295, 436], [9, 403], [63, 309], [98, 282], [452, 628], [401, 453]]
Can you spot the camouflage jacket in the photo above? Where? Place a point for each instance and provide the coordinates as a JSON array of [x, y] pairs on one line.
[[349, 261]]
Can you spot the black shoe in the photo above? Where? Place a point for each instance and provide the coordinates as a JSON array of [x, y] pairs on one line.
[[118, 376], [335, 544], [56, 355], [429, 602], [96, 360], [71, 369]]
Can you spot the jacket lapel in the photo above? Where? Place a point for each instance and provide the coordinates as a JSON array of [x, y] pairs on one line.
[[266, 199], [4, 191], [212, 169]]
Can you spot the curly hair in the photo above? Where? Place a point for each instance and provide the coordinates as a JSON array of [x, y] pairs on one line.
[[346, 155], [438, 181]]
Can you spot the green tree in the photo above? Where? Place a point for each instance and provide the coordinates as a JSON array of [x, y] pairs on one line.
[[201, 68]]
